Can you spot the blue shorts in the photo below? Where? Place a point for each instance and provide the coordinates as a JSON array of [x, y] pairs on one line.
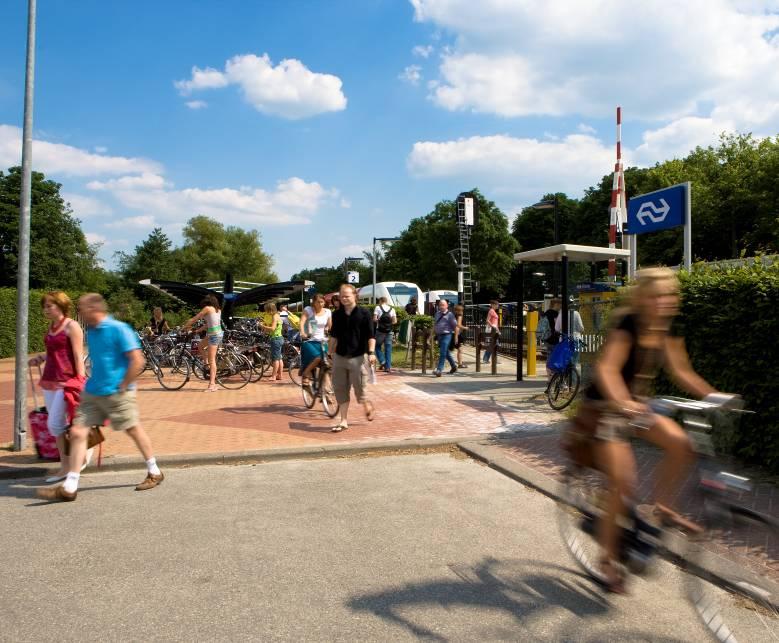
[[276, 344], [214, 339], [310, 350]]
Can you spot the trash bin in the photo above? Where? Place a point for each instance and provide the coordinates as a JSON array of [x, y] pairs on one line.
[[404, 331]]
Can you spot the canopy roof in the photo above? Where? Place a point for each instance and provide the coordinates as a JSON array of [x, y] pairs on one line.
[[586, 254], [193, 294]]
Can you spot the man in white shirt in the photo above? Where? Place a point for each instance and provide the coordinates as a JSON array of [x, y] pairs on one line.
[[384, 318]]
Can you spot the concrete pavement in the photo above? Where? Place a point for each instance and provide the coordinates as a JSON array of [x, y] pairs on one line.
[[372, 549]]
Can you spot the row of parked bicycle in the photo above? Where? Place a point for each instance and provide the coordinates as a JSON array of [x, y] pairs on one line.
[[244, 356]]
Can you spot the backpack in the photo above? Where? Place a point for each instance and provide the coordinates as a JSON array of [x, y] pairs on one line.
[[543, 331], [384, 324]]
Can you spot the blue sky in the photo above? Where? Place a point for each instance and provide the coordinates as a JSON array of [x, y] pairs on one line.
[[325, 123]]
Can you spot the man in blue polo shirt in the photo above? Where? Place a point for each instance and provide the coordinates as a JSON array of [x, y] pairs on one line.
[[109, 394]]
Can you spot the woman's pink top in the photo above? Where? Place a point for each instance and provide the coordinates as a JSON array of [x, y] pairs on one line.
[[492, 318], [60, 361]]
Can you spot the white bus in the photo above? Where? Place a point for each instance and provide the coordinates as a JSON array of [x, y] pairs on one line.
[[431, 298], [398, 293]]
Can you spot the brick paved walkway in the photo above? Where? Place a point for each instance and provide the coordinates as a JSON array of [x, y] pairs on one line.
[[266, 415], [742, 544]]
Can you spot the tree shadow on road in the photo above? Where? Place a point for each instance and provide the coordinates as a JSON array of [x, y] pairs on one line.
[[522, 588]]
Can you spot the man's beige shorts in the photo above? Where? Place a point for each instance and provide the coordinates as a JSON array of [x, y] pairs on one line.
[[349, 372], [120, 408]]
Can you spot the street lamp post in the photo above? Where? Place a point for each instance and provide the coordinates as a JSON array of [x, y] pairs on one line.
[[382, 240], [553, 204], [23, 256]]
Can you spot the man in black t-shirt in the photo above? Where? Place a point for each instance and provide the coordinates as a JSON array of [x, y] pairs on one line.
[[351, 341]]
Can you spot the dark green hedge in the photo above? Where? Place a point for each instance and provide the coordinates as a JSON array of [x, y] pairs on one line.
[[37, 324], [731, 327]]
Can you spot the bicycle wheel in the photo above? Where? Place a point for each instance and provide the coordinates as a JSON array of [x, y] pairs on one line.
[[172, 371], [578, 513], [746, 606], [562, 389], [309, 394], [232, 370], [254, 373], [258, 363], [329, 403], [294, 369]]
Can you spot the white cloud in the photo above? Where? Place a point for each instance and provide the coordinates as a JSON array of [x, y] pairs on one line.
[[517, 166], [85, 206], [196, 104], [100, 149], [423, 51], [145, 180], [93, 237], [207, 78], [289, 89], [662, 61], [586, 129], [144, 222], [66, 160], [411, 74], [293, 201], [345, 203]]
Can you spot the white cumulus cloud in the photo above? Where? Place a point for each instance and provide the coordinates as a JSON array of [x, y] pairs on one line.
[[524, 167], [423, 51], [196, 104], [289, 89], [86, 206], [66, 160], [662, 61], [411, 74]]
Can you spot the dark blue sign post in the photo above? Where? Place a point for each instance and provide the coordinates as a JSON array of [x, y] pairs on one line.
[[661, 210]]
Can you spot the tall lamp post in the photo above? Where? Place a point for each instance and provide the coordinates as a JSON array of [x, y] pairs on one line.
[[552, 204], [382, 240], [23, 255]]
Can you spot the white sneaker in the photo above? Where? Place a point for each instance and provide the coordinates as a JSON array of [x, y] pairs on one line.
[[88, 459]]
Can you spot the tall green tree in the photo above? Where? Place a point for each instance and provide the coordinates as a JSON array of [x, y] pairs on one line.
[[421, 255], [211, 250], [154, 258], [60, 256]]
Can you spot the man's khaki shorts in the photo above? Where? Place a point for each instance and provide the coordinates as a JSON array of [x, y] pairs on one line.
[[349, 372], [120, 408]]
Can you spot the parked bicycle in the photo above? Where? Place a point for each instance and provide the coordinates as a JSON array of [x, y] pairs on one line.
[[564, 383], [748, 608], [171, 371]]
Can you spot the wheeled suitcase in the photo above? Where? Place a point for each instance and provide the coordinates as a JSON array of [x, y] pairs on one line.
[[45, 442]]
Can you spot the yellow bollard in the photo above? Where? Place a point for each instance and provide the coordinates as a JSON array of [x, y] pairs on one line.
[[532, 325]]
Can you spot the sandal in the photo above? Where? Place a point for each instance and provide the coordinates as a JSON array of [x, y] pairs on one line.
[[339, 427], [610, 578], [670, 518], [370, 411]]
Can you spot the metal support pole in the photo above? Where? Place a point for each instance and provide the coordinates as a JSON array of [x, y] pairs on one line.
[[520, 315], [373, 296], [564, 279], [688, 228], [23, 266]]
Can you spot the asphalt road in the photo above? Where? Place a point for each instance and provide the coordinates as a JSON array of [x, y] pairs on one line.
[[368, 549]]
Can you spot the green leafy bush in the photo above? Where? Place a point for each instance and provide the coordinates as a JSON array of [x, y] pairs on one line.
[[37, 323], [731, 326]]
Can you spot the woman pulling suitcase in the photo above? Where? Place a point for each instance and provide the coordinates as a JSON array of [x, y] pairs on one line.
[[63, 374]]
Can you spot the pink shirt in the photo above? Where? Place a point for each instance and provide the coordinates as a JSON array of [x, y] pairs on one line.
[[492, 318], [60, 361]]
